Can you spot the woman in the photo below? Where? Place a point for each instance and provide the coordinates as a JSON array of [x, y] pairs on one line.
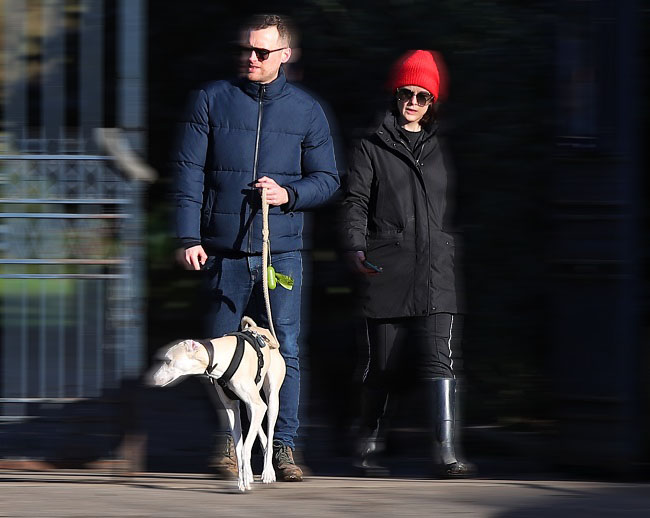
[[395, 221]]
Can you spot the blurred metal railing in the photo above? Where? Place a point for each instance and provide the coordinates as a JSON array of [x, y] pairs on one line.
[[70, 261], [71, 252]]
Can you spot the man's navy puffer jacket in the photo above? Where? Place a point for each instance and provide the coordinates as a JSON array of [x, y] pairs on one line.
[[214, 163]]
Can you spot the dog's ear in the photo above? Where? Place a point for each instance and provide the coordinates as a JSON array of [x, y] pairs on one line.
[[247, 322], [191, 346]]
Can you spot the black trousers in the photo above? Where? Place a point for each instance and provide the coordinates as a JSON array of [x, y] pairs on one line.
[[403, 351]]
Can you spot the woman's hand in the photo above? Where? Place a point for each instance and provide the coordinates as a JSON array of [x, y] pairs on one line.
[[356, 259]]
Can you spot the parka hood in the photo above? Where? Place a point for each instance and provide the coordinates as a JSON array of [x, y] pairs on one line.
[[389, 127]]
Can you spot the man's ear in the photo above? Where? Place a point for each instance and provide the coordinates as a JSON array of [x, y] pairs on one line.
[[294, 55], [286, 55]]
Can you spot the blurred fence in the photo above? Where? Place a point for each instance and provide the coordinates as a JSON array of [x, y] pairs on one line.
[[70, 277], [71, 238]]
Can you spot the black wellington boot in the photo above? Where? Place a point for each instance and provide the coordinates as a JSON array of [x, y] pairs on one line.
[[369, 450], [442, 401], [370, 437]]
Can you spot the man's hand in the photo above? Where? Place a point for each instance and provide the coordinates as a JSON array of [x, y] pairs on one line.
[[275, 194], [192, 258]]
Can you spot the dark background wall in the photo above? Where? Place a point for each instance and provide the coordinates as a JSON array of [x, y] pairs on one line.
[[501, 120]]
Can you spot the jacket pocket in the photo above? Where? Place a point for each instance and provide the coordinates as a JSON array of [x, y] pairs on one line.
[[296, 223], [206, 210]]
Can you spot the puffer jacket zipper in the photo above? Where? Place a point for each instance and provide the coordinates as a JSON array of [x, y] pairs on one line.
[[260, 109]]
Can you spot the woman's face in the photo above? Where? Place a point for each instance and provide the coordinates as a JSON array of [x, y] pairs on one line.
[[409, 101]]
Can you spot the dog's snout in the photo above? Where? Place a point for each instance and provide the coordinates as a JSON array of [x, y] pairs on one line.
[[162, 360]]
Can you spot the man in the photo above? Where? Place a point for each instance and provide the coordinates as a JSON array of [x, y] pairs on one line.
[[240, 136]]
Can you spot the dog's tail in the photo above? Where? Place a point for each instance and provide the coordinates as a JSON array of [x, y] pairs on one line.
[[247, 322]]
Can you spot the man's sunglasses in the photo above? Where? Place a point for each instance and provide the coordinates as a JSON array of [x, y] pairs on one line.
[[422, 98], [262, 54]]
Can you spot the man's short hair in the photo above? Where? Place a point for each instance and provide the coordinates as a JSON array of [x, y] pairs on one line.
[[264, 21]]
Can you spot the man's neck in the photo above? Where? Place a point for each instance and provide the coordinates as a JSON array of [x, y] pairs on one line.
[[270, 80]]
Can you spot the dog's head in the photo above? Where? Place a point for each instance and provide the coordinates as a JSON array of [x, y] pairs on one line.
[[180, 359], [249, 323]]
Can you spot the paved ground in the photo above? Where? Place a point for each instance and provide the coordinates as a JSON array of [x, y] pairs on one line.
[[55, 494]]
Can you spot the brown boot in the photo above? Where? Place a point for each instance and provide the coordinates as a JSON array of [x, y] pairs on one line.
[[286, 470], [225, 461]]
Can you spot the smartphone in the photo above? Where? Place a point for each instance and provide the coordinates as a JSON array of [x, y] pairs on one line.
[[371, 266]]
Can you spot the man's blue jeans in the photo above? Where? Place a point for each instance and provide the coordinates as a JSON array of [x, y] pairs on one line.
[[234, 289]]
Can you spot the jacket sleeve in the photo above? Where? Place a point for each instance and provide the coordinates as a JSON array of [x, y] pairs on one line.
[[187, 166], [320, 178], [357, 199]]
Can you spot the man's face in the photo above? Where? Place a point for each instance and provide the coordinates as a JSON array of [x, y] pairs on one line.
[[265, 71]]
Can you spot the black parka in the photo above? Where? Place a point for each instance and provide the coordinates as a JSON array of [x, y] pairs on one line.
[[396, 211]]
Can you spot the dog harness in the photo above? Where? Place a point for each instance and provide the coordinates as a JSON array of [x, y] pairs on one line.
[[254, 339]]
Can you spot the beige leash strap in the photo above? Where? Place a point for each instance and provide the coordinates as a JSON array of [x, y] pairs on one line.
[[266, 254]]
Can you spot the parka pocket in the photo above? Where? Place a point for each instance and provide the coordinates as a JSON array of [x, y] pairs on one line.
[[386, 234], [388, 249], [444, 254], [384, 239]]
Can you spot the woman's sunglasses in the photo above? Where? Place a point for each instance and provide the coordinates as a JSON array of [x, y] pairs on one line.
[[422, 98], [262, 54]]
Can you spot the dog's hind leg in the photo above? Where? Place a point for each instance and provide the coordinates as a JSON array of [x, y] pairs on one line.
[[273, 400], [262, 437], [268, 473], [234, 422], [256, 410]]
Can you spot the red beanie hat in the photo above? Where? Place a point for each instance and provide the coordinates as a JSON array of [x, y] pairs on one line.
[[417, 68]]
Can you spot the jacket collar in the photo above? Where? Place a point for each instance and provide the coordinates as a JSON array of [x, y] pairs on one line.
[[272, 90], [389, 127]]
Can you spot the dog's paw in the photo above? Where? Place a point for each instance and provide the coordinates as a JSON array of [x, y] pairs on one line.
[[247, 479], [244, 485], [268, 476]]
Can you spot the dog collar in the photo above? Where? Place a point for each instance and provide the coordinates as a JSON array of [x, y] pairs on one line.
[[209, 347]]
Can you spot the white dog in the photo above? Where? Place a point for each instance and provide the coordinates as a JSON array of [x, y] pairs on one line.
[[195, 357]]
